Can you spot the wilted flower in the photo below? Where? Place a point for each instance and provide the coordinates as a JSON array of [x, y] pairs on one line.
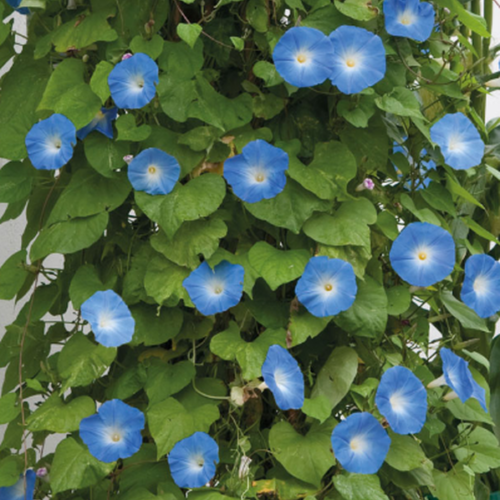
[[459, 141], [114, 431], [481, 288], [402, 399], [154, 172], [360, 443], [244, 469], [22, 490], [423, 254], [327, 286], [109, 318], [409, 18], [258, 173], [193, 460], [50, 142], [303, 57], [359, 60], [215, 290], [282, 375], [132, 82], [103, 122]]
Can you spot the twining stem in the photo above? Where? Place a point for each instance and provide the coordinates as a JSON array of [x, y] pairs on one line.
[[23, 340], [479, 99]]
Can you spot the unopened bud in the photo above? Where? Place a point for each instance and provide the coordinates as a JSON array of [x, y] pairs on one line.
[[244, 469], [366, 184], [42, 472], [126, 56], [128, 159]]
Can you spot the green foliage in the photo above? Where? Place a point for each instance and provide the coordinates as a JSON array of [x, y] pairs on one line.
[[218, 90]]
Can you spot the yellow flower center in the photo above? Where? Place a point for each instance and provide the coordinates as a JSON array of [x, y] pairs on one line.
[[301, 58], [355, 444], [259, 178], [350, 63], [405, 20], [116, 437], [328, 287], [218, 290], [152, 169], [422, 255]]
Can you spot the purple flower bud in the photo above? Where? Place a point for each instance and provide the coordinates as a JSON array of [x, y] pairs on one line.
[[42, 472], [126, 56], [368, 184], [128, 158]]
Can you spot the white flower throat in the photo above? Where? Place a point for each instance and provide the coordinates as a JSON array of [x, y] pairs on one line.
[[54, 144], [137, 82], [398, 402], [407, 18], [455, 143], [480, 284], [357, 444], [106, 320], [303, 57]]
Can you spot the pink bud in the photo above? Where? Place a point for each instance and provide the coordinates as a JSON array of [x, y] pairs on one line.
[[42, 472], [126, 56], [366, 184], [127, 159]]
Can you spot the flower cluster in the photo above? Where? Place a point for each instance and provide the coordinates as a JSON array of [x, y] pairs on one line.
[[318, 286]]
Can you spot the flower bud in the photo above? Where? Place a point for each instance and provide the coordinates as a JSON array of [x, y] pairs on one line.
[[42, 472], [366, 184]]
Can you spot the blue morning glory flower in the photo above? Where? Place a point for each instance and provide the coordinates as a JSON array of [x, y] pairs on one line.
[[423, 254], [15, 4], [284, 378], [103, 122], [360, 443], [109, 318], [481, 288], [154, 171], [132, 82], [359, 60], [409, 18], [327, 286], [50, 142], [402, 399], [459, 141], [303, 57], [215, 290], [457, 376], [17, 491], [193, 460], [114, 431], [258, 173]]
